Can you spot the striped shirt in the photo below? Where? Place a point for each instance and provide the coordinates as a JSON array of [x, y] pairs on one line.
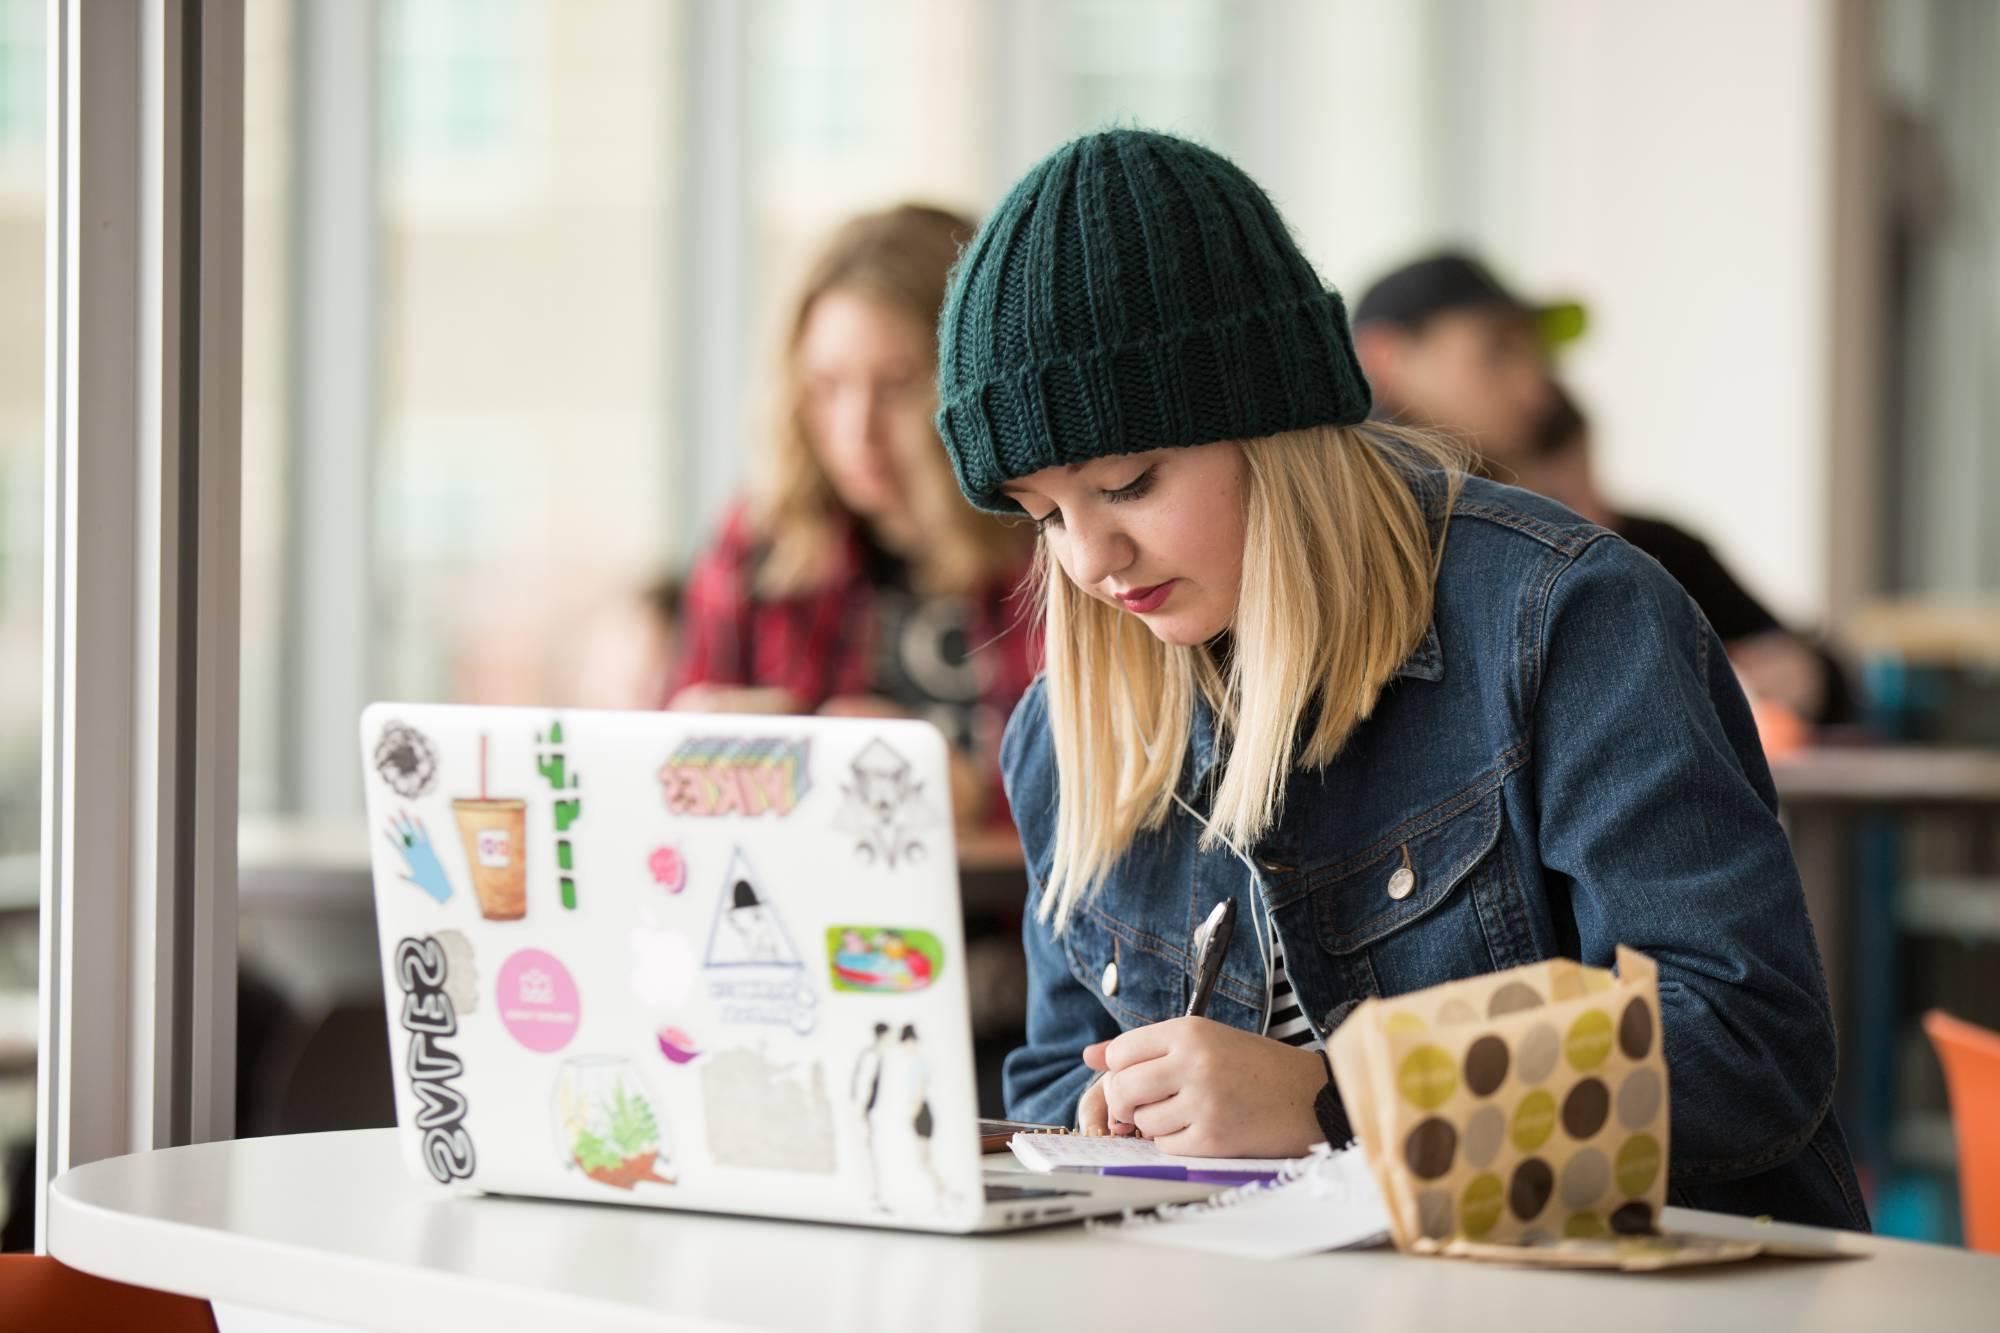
[[1288, 1021]]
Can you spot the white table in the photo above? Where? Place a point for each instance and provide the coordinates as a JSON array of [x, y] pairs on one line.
[[328, 1230]]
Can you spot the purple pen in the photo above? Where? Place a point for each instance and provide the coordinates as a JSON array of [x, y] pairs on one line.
[[1193, 1175]]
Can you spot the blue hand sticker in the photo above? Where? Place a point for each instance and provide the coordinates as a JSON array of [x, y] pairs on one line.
[[420, 863]]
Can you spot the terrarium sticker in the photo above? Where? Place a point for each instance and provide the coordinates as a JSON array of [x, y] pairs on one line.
[[608, 1126], [537, 1000], [755, 974], [494, 830], [881, 960], [884, 807], [406, 759], [707, 776], [428, 1016], [421, 867], [552, 762]]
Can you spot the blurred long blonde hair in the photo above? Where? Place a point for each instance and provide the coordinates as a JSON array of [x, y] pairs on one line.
[[900, 258], [1340, 562]]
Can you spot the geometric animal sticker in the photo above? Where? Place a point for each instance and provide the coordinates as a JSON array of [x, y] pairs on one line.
[[607, 1126], [412, 841], [552, 764], [755, 975], [406, 760], [766, 1115], [495, 833], [878, 960], [725, 775], [884, 808], [537, 1000]]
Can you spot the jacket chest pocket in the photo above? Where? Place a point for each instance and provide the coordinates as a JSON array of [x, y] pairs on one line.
[[1135, 975], [1434, 906]]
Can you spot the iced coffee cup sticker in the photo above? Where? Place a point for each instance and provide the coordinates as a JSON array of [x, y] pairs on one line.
[[493, 848], [537, 1000]]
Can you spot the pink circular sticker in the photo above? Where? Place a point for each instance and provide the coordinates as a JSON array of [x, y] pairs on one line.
[[537, 1000]]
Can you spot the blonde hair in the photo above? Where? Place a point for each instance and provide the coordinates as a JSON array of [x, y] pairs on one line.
[[901, 259], [1339, 569]]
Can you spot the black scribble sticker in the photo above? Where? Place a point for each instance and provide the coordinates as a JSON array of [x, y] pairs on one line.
[[407, 760]]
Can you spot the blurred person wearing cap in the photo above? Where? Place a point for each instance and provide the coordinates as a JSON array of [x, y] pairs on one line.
[[1448, 347]]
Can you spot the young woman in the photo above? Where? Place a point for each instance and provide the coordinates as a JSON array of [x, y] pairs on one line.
[[852, 580], [1419, 725]]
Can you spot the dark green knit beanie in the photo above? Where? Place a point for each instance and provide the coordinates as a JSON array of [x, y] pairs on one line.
[[1134, 291]]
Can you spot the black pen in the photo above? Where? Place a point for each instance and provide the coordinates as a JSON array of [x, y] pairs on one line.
[[1211, 942]]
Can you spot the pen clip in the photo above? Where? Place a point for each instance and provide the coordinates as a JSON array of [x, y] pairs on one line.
[[1211, 942]]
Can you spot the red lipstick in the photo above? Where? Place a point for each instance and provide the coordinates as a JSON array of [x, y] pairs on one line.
[[1141, 600]]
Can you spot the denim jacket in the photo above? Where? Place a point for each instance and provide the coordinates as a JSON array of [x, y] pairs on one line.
[[1569, 764]]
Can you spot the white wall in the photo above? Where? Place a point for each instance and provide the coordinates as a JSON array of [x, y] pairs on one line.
[[1671, 165]]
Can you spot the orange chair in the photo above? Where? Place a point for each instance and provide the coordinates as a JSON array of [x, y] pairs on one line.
[[1971, 1058], [40, 1293]]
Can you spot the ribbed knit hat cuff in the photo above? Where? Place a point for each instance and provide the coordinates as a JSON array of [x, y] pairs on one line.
[[1287, 366]]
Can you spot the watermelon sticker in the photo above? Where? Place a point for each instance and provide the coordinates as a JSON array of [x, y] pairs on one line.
[[882, 960]]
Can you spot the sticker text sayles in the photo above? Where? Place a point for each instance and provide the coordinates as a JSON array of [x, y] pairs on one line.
[[428, 1016]]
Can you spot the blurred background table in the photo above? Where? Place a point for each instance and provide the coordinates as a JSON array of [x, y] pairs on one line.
[[1899, 850]]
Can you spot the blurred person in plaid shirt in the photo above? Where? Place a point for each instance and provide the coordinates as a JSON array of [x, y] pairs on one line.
[[852, 579]]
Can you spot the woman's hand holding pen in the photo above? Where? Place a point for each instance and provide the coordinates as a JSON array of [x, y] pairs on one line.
[[1200, 1088]]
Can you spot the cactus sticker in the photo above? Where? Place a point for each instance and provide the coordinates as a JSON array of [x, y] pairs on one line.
[[553, 764]]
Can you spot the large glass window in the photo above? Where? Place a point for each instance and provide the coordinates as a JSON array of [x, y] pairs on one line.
[[21, 166], [526, 246], [23, 134]]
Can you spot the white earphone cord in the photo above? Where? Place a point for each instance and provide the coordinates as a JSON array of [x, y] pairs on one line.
[[1259, 926]]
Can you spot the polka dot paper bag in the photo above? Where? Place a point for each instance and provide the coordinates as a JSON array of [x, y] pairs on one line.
[[1516, 1108]]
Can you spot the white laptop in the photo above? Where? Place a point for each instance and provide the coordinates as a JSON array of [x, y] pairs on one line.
[[686, 961]]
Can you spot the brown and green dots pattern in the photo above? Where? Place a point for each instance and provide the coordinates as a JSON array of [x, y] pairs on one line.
[[1524, 1106]]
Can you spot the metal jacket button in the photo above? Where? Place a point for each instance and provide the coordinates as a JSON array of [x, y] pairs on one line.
[[1111, 978], [1402, 883]]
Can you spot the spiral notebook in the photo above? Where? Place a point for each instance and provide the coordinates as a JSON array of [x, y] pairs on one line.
[[1090, 1154], [1325, 1201]]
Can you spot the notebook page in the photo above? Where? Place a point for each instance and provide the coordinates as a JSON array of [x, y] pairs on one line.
[[1328, 1201], [1079, 1152]]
